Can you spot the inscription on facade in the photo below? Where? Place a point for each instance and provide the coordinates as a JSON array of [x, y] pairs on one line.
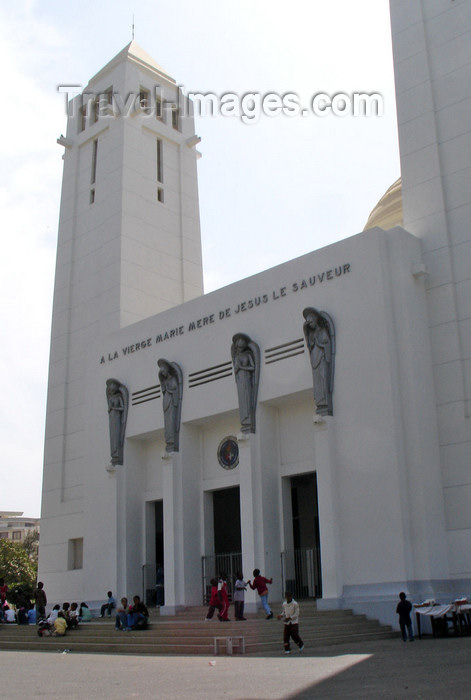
[[240, 307]]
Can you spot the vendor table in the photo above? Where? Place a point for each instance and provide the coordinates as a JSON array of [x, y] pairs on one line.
[[457, 614]]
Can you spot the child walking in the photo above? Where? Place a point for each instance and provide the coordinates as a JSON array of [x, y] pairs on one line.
[[290, 616], [260, 584], [239, 596], [214, 600]]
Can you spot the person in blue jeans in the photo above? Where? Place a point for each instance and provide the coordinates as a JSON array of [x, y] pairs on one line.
[[403, 609], [121, 620], [138, 615], [260, 584], [108, 606]]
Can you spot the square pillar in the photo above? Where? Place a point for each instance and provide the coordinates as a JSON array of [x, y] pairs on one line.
[[328, 513], [173, 532], [251, 514]]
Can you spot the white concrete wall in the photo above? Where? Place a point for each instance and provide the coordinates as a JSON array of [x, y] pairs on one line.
[[432, 57], [381, 514]]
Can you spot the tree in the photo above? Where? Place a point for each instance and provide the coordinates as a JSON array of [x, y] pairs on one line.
[[30, 545], [16, 567]]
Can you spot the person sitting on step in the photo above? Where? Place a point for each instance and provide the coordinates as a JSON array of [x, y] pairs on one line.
[[121, 620], [108, 606], [138, 615]]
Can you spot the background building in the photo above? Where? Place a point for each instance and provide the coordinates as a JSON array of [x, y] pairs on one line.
[[13, 526]]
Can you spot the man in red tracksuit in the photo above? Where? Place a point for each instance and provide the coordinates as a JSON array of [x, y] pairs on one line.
[[214, 601]]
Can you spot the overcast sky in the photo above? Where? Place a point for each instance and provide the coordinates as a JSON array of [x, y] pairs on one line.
[[276, 189]]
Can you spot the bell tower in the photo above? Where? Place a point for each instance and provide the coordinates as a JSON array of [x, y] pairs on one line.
[[128, 247]]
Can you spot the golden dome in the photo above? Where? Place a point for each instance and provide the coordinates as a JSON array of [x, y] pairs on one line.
[[388, 212]]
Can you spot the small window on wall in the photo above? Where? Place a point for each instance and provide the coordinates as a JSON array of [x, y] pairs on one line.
[[160, 170], [159, 108], [93, 170], [108, 95], [82, 118], [144, 100], [160, 163], [96, 109], [17, 535], [175, 117], [75, 554], [94, 159]]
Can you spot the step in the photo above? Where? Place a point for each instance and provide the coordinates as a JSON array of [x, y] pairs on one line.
[[205, 647], [188, 633], [198, 628]]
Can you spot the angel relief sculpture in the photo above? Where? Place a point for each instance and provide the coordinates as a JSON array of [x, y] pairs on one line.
[[171, 384], [117, 396], [319, 332], [246, 362]]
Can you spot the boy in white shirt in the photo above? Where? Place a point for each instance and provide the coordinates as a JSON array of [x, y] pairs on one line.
[[240, 587], [290, 616], [9, 614]]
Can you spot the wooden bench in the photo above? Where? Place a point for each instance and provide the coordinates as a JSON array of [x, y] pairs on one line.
[[230, 642]]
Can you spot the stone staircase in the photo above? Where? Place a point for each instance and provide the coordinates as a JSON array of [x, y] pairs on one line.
[[188, 633]]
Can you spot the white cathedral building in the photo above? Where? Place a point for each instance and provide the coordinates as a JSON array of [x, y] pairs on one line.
[[312, 420]]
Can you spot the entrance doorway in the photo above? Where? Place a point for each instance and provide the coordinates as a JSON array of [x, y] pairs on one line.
[[159, 532], [152, 570], [226, 519], [159, 554], [227, 535], [302, 563]]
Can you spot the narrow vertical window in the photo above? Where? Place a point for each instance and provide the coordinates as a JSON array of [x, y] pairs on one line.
[[160, 170], [96, 109], [105, 103], [109, 96], [144, 100], [94, 158], [159, 108], [160, 174], [175, 117], [93, 173], [82, 118]]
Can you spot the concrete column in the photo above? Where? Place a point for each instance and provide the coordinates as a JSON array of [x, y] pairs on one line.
[[173, 535], [130, 521], [328, 514], [120, 509], [251, 521]]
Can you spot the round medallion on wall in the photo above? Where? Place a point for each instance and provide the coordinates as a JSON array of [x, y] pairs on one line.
[[228, 453]]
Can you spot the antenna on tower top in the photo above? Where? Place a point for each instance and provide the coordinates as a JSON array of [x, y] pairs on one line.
[[133, 27]]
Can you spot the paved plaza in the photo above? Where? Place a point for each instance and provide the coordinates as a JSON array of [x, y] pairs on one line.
[[428, 668]]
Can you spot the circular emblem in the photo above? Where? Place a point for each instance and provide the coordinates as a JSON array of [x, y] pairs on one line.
[[228, 453]]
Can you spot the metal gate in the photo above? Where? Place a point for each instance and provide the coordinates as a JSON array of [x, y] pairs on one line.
[[229, 563], [301, 573]]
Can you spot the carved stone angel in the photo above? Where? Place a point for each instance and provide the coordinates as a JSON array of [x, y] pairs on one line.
[[246, 361], [117, 396], [171, 384], [319, 332]]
